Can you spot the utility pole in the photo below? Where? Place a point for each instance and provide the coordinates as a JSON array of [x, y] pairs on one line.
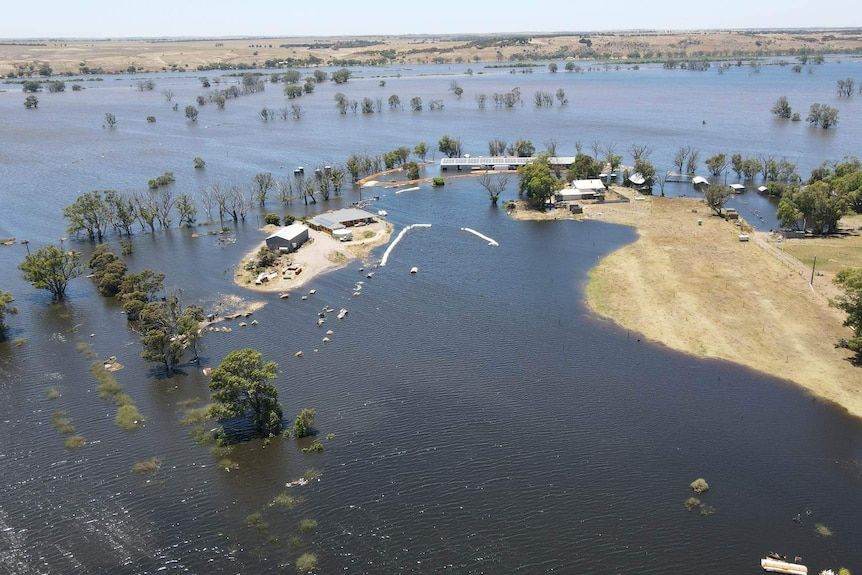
[[814, 263]]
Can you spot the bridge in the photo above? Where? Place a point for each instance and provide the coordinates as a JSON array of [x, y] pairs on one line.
[[492, 162]]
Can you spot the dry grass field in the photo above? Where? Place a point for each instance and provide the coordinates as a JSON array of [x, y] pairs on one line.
[[67, 56]]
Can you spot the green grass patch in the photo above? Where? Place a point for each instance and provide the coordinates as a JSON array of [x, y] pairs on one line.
[[822, 530], [150, 465], [306, 562], [202, 436], [368, 234], [128, 417], [255, 521], [307, 525], [330, 436], [61, 422], [86, 349], [311, 474], [315, 447], [52, 393], [75, 442], [228, 464], [196, 415], [187, 403], [107, 384], [284, 501]]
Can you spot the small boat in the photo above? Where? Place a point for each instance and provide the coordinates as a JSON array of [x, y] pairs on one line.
[[382, 213], [414, 270], [320, 322], [325, 340], [777, 566], [284, 295], [298, 354], [342, 312], [305, 297], [312, 291]]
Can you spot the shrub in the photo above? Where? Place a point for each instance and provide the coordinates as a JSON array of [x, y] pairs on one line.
[[699, 485], [151, 119], [75, 442], [315, 447], [438, 181], [271, 219], [199, 163], [306, 562], [150, 465], [304, 421], [307, 525], [128, 417]]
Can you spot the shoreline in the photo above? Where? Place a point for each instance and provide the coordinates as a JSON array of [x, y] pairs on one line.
[[699, 290], [318, 256]]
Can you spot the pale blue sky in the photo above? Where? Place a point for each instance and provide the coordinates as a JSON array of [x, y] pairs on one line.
[[122, 18]]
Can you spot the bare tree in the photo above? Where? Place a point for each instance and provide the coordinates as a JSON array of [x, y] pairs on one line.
[[285, 191], [168, 94], [496, 147], [551, 147], [691, 163], [208, 202], [261, 184], [296, 111], [596, 147], [494, 185], [679, 158], [640, 151]]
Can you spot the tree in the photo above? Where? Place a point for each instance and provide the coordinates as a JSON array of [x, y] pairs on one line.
[[421, 150], [303, 424], [31, 102], [262, 183], [416, 104], [138, 289], [449, 146], [240, 385], [494, 185], [552, 67], [394, 102], [536, 182], [51, 268], [715, 197], [716, 164], [822, 115], [782, 109], [169, 95], [108, 271], [293, 91], [319, 76], [192, 113], [341, 76], [521, 148], [199, 163], [6, 308], [186, 210], [88, 213], [412, 169], [815, 207], [584, 167], [561, 97], [850, 280], [110, 119], [680, 157], [31, 86]]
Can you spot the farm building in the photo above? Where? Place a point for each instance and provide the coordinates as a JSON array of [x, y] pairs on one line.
[[288, 238], [340, 219]]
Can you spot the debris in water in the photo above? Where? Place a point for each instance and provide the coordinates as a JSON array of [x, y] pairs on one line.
[[325, 340], [342, 313], [305, 297], [254, 322], [242, 324], [398, 239], [699, 485], [414, 270], [329, 332], [298, 354], [312, 291], [491, 241], [284, 295], [207, 371]]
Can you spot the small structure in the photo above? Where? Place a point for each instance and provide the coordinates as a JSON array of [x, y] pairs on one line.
[[576, 208], [737, 188], [731, 214], [500, 162], [288, 239], [762, 189], [340, 219], [777, 566], [343, 234]]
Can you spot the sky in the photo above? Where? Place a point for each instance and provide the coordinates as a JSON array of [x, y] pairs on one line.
[[171, 18]]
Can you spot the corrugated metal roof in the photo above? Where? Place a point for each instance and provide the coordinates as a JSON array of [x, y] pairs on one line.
[[333, 220], [591, 184], [290, 232]]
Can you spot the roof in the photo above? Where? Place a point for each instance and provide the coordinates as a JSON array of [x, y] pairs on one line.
[[699, 180], [637, 179], [335, 219], [592, 184], [572, 192], [737, 186], [290, 232]]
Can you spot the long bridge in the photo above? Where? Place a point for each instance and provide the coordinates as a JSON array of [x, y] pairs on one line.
[[492, 162]]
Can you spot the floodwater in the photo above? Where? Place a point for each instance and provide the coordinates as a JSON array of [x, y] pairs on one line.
[[485, 421]]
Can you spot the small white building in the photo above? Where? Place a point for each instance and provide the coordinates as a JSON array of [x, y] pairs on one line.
[[288, 239], [582, 190]]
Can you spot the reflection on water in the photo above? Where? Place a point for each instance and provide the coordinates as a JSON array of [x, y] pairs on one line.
[[484, 420]]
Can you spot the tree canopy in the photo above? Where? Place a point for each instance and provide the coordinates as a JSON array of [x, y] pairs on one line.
[[850, 280], [51, 268], [536, 182], [6, 308], [241, 386]]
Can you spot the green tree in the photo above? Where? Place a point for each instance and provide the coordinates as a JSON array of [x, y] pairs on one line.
[[584, 167], [186, 210], [412, 169], [421, 150], [168, 329], [536, 182], [341, 76], [51, 268], [262, 183], [449, 146], [31, 102], [716, 196], [108, 271], [304, 422], [192, 113], [716, 164], [31, 86], [522, 148], [850, 280], [241, 385], [394, 102], [138, 289], [6, 308], [89, 213]]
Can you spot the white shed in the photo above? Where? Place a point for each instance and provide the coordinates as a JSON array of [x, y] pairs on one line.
[[288, 238]]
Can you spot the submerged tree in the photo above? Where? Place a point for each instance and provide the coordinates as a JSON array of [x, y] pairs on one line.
[[449, 146], [240, 385], [782, 109], [192, 113], [110, 119], [822, 115], [304, 422], [168, 329], [51, 268]]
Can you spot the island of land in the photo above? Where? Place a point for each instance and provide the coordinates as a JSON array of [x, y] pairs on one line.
[[82, 56], [688, 282], [320, 254]]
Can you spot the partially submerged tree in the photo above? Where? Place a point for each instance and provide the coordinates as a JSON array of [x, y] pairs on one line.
[[192, 113], [241, 386], [822, 115], [110, 119], [304, 422], [6, 308], [494, 185], [89, 213], [781, 108], [51, 268], [168, 329], [449, 146]]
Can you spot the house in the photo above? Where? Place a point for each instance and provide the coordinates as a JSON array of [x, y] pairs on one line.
[[582, 190], [288, 239], [340, 219]]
